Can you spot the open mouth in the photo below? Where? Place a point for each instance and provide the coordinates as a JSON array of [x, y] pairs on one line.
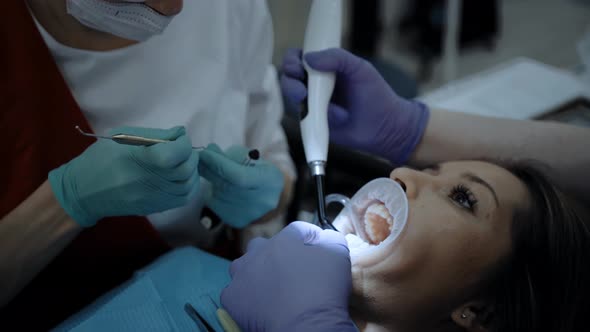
[[376, 215], [378, 223], [371, 228]]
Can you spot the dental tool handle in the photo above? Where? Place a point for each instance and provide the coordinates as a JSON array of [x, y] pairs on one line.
[[323, 31], [142, 141], [136, 140]]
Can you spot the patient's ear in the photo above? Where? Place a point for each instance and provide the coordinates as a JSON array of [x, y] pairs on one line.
[[473, 316]]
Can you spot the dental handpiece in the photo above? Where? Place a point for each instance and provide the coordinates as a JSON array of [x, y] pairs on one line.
[[131, 139], [323, 31]]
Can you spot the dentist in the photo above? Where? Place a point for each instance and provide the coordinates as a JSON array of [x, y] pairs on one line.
[[78, 216]]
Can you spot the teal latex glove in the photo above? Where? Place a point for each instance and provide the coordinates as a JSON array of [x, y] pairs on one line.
[[111, 179], [241, 193]]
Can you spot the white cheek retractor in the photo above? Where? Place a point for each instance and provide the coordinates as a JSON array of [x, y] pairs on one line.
[[375, 215]]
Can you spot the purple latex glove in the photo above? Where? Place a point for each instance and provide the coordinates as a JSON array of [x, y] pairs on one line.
[[365, 113], [299, 280]]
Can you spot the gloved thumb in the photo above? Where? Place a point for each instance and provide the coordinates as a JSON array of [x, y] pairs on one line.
[[333, 60], [256, 244], [237, 153], [292, 65], [293, 89], [217, 167], [328, 239], [313, 235], [170, 155]]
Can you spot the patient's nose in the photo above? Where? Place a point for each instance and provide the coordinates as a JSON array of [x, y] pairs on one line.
[[401, 183], [410, 180]]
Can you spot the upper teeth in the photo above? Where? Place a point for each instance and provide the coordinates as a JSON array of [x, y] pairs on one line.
[[378, 223]]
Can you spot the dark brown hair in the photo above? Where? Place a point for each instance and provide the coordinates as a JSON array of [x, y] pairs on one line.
[[545, 283]]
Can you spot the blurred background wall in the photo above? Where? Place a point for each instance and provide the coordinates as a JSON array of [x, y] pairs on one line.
[[545, 30]]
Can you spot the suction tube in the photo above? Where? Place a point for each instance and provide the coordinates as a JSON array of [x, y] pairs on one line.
[[323, 220]]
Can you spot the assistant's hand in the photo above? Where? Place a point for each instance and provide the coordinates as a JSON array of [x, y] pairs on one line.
[[110, 179], [241, 193], [365, 112], [299, 280]]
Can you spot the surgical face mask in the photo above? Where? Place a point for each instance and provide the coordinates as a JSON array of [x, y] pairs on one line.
[[134, 21]]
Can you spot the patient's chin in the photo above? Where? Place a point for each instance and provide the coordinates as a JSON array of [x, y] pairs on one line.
[[365, 310]]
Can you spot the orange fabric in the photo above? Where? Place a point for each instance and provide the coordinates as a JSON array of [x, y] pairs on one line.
[[38, 115]]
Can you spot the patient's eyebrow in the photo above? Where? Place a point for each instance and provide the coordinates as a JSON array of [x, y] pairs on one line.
[[474, 178]]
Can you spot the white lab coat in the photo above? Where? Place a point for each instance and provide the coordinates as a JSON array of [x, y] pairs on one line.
[[209, 71]]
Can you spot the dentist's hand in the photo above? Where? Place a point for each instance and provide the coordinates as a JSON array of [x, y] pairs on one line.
[[299, 280], [365, 112], [110, 179], [241, 193]]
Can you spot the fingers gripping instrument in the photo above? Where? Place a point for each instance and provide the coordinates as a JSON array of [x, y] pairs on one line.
[[323, 31]]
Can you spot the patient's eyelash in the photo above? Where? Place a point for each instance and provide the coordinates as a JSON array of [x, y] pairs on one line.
[[464, 197]]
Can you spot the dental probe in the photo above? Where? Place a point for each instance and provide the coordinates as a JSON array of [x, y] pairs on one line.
[[197, 318], [131, 139], [323, 31]]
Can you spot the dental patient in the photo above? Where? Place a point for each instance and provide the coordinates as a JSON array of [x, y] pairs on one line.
[[463, 246]]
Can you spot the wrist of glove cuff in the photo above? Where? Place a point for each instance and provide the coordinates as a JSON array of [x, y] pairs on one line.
[[399, 140], [64, 193]]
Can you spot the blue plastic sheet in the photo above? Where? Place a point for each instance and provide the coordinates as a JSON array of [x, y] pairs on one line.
[[154, 299]]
